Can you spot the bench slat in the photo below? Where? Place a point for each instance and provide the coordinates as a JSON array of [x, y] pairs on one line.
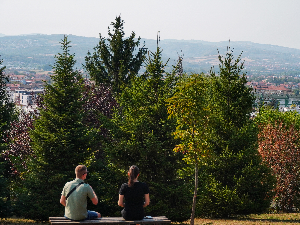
[[108, 221]]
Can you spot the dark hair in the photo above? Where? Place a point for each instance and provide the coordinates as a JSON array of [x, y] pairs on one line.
[[133, 173]]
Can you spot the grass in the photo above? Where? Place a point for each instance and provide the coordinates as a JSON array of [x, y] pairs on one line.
[[19, 221], [270, 219]]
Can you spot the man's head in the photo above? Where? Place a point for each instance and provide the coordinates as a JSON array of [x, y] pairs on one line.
[[80, 171]]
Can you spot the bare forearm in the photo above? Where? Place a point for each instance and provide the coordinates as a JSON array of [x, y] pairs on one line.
[[121, 201], [95, 200], [147, 200], [63, 201]]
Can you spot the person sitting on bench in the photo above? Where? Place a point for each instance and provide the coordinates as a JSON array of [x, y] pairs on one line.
[[74, 197], [134, 193]]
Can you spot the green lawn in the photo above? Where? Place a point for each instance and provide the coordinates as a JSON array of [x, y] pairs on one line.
[[276, 219]]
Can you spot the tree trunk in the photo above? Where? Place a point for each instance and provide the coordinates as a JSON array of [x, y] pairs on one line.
[[195, 192]]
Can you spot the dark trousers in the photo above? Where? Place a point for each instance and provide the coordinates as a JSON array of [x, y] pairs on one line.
[[136, 215]]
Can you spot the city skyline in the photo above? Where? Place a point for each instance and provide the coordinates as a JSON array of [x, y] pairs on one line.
[[259, 21]]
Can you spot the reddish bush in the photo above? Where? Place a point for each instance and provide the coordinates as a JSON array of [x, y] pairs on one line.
[[280, 149]]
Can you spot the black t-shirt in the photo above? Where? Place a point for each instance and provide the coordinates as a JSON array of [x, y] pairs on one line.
[[134, 200]]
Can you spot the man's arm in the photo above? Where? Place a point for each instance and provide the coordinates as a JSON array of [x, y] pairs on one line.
[[95, 199], [63, 200]]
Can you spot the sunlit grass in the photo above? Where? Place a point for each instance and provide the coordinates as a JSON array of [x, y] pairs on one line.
[[19, 221], [270, 219], [276, 219]]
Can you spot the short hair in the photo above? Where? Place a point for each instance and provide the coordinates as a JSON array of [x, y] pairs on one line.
[[80, 170]]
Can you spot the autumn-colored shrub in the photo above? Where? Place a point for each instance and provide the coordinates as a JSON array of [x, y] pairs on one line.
[[280, 149]]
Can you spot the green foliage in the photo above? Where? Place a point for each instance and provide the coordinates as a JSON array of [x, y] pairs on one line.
[[59, 131], [5, 205], [105, 180], [232, 102], [234, 184], [113, 62], [213, 117], [270, 116], [143, 136], [7, 115], [190, 108], [7, 108], [60, 141], [231, 177], [170, 198]]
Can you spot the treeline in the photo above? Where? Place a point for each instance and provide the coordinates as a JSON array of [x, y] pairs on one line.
[[192, 136]]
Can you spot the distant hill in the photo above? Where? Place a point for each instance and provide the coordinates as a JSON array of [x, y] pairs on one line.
[[37, 51]]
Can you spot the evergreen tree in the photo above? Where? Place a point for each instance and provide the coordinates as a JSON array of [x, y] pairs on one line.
[[234, 181], [144, 138], [60, 140], [7, 108], [113, 61], [7, 115]]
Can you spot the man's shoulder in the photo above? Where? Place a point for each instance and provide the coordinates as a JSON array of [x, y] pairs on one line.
[[85, 185], [74, 182], [70, 182]]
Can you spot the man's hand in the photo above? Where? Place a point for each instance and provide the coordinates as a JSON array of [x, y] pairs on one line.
[[63, 200]]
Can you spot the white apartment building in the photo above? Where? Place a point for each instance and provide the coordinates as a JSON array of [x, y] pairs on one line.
[[24, 98]]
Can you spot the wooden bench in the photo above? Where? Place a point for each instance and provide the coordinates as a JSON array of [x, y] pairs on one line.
[[108, 221]]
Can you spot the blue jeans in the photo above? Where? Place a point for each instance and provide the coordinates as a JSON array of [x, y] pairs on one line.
[[91, 215]]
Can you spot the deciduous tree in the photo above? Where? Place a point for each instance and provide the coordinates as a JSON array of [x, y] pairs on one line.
[[189, 106], [279, 146]]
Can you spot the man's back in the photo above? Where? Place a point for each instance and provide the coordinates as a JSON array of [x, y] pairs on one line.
[[76, 204]]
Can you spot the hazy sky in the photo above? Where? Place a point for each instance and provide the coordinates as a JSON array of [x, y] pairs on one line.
[[275, 22]]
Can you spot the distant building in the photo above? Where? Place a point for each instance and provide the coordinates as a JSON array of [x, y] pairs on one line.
[[24, 98]]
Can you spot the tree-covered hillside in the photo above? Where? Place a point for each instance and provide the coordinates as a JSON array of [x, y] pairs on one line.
[[37, 51]]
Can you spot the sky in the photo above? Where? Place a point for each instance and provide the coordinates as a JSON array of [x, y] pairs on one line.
[[275, 22]]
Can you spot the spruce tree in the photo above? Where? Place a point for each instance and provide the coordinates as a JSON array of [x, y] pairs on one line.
[[234, 179], [114, 61], [60, 140], [7, 107], [7, 115], [144, 138]]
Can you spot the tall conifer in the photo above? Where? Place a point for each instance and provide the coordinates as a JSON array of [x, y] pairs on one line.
[[114, 61], [7, 115], [234, 180], [144, 138], [60, 140]]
